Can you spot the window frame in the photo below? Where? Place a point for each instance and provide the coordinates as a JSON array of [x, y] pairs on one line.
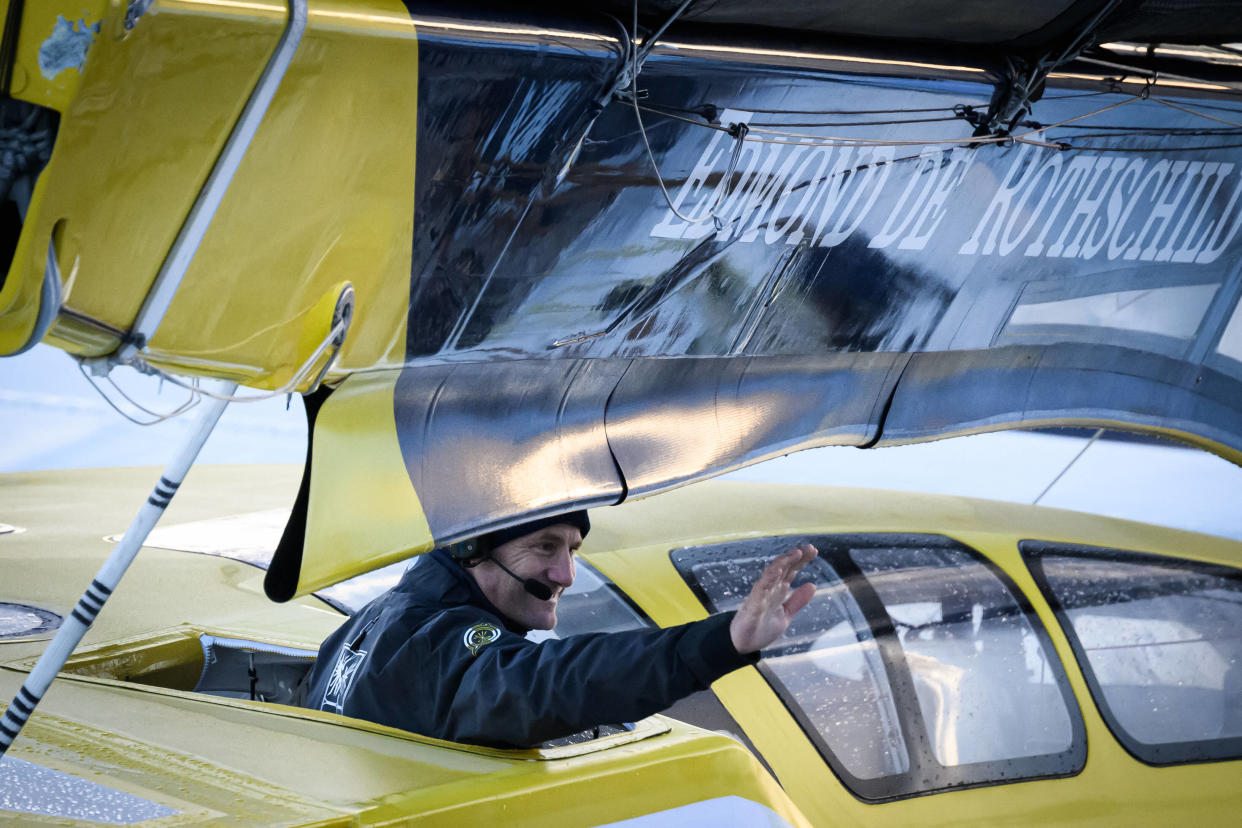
[[1160, 754], [834, 548]]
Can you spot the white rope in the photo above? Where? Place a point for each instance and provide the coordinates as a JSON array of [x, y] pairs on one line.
[[156, 417], [289, 387], [335, 337], [1190, 111]]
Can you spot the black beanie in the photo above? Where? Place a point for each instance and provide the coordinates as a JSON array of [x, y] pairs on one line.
[[578, 520]]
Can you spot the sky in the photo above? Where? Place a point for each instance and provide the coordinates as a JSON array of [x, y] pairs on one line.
[[51, 418]]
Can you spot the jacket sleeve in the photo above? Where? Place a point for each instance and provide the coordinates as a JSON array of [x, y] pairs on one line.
[[513, 692]]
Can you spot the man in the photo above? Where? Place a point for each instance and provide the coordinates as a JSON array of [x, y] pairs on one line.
[[443, 653]]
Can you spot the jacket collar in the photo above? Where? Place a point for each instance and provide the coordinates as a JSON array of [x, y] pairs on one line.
[[446, 583]]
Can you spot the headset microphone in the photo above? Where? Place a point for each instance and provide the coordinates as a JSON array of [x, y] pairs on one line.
[[472, 552], [536, 588]]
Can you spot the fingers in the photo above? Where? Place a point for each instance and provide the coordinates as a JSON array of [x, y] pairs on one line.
[[798, 599], [766, 611], [792, 561], [778, 576]]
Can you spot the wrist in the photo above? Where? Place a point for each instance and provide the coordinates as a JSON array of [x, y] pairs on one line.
[[735, 637], [742, 639]]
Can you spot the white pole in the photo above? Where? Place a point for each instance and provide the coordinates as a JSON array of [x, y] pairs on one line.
[[84, 612]]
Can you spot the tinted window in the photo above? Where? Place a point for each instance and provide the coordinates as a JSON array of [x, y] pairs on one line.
[[916, 667], [828, 660], [985, 688], [1160, 643]]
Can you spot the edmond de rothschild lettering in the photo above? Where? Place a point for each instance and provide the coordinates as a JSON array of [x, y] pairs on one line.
[[1038, 202], [1118, 207]]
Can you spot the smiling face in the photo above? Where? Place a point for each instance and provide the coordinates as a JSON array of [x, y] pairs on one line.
[[547, 555]]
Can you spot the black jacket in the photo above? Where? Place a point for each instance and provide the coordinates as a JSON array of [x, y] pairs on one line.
[[433, 656]]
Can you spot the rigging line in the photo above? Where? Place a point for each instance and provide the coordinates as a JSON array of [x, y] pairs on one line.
[[1077, 95], [818, 140], [1164, 131], [642, 129], [840, 141], [197, 392], [965, 140], [669, 110], [683, 118], [1091, 114], [1080, 453], [1138, 70], [1154, 149], [846, 142], [1221, 47], [908, 111], [840, 111], [642, 54], [859, 168], [190, 402], [831, 141], [625, 136], [1088, 31], [886, 142], [1155, 133], [338, 330], [1219, 108], [857, 123], [1191, 111], [159, 418], [1056, 145]]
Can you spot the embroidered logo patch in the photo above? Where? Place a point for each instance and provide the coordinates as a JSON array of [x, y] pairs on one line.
[[342, 679], [479, 636]]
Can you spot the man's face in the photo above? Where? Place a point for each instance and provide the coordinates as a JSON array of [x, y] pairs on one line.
[[547, 556]]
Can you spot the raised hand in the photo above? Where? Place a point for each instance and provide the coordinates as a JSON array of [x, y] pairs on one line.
[[766, 612]]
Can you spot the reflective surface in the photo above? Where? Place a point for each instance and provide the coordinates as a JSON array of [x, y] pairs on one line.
[[485, 442], [986, 689], [917, 666], [860, 228], [839, 680], [781, 245], [1160, 645], [840, 273], [32, 789], [21, 620]]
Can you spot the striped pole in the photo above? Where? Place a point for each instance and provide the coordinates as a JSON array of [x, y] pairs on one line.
[[92, 601]]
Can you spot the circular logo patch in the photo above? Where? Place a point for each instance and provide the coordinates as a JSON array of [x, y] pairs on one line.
[[479, 636]]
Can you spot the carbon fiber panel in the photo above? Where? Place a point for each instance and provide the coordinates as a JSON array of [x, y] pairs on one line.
[[484, 442]]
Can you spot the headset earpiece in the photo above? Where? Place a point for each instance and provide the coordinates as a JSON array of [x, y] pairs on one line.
[[470, 552]]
